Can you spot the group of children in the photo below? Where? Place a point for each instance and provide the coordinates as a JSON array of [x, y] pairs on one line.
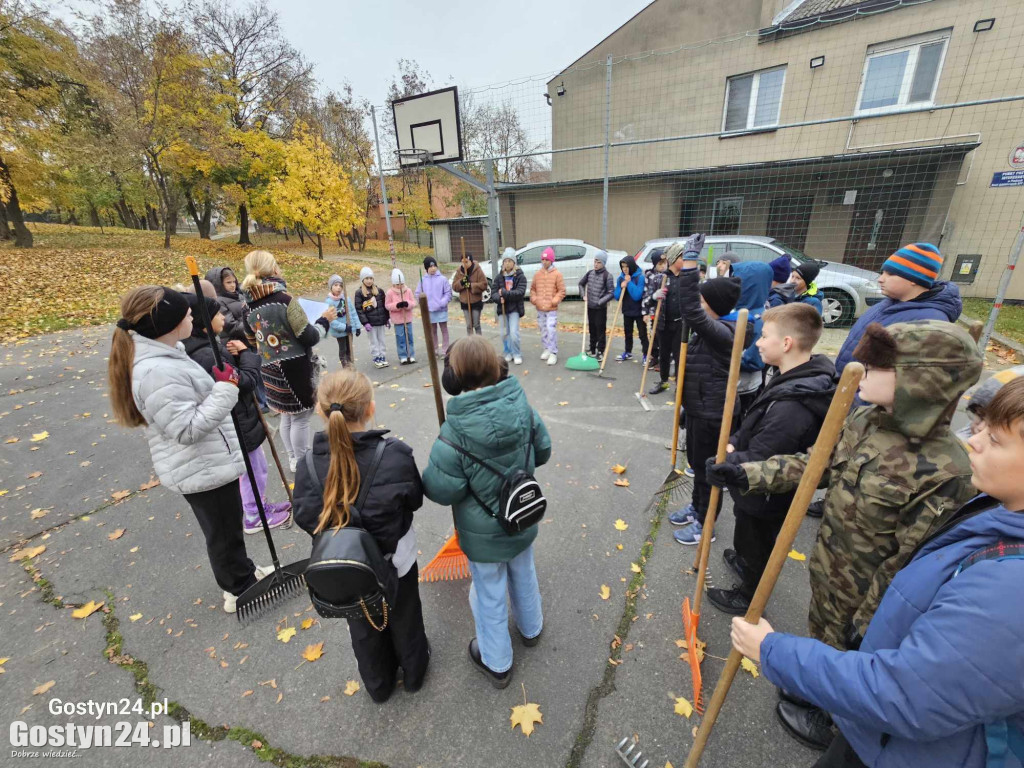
[[372, 310]]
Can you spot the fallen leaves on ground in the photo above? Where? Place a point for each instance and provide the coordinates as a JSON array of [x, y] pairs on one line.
[[40, 436], [618, 469], [750, 666], [153, 483], [683, 707], [634, 568], [622, 482], [118, 495], [307, 623], [313, 652], [621, 525], [271, 683], [606, 592], [35, 514], [246, 693], [525, 715], [34, 475], [39, 690], [351, 688], [3, 661], [135, 617], [286, 634], [86, 610], [117, 534], [22, 554], [798, 556]]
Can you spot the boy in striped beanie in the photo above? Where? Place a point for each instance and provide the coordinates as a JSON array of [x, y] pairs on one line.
[[911, 271]]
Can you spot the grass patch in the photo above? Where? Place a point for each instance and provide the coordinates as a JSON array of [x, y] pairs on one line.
[[1010, 321]]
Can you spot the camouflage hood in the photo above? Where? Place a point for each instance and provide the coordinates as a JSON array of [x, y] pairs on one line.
[[936, 362]]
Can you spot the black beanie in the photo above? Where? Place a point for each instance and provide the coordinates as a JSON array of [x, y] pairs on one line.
[[429, 262], [213, 307], [721, 294], [164, 318], [656, 258], [808, 270]]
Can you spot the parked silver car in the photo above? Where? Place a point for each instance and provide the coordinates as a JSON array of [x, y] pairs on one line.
[[572, 257], [846, 291]]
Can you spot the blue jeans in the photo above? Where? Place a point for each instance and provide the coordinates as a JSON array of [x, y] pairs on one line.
[[512, 339], [404, 340], [494, 585]]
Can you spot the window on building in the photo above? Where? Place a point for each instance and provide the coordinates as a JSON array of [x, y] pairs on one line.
[[753, 101], [902, 73], [725, 216]]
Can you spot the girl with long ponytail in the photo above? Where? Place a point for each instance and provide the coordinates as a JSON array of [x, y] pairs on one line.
[[187, 416], [342, 456]]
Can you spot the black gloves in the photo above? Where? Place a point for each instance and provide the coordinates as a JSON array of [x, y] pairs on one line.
[[402, 304], [726, 475]]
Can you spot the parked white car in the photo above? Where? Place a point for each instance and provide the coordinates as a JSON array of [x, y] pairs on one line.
[[572, 257], [846, 291]]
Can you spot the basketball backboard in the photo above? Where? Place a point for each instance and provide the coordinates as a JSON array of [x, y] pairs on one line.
[[428, 122]]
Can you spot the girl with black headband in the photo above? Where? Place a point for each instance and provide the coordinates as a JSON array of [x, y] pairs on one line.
[[342, 458], [187, 416]]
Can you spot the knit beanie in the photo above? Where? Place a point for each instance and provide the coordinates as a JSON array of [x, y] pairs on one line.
[[731, 256], [429, 262], [782, 267], [548, 255], [602, 257], [656, 259], [508, 253], [673, 253], [334, 279], [808, 270], [397, 277], [364, 273], [721, 294], [164, 318], [919, 263]]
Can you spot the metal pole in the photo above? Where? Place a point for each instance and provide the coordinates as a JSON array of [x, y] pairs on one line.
[[492, 217], [607, 150], [1004, 283], [383, 189]]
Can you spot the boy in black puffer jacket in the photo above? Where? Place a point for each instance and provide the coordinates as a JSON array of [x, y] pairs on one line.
[[784, 419], [597, 286], [345, 401], [247, 363], [708, 311]]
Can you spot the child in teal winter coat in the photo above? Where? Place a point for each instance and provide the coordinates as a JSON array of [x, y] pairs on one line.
[[345, 324], [491, 419]]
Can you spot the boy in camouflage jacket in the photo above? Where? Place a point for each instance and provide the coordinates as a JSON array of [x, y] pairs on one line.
[[896, 475]]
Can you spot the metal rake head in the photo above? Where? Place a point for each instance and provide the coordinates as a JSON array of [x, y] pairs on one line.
[[625, 748], [268, 593]]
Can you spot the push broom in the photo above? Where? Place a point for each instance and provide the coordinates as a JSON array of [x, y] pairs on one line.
[[583, 361], [820, 456], [286, 581], [691, 615], [450, 563]]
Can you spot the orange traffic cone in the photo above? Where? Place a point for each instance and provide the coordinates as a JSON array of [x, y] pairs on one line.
[[449, 564]]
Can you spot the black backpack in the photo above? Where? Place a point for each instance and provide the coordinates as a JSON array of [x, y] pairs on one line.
[[347, 576], [521, 500]]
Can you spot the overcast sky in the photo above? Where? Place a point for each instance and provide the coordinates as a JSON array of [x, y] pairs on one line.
[[470, 42]]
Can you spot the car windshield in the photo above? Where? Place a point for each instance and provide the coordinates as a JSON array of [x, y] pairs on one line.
[[800, 256]]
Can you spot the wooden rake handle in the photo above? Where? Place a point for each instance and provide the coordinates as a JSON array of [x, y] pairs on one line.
[[428, 334], [650, 349], [684, 341], [704, 550], [820, 456], [611, 332]]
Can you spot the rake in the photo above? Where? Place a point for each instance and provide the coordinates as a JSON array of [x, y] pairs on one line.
[[820, 456], [691, 615], [676, 484], [450, 563], [624, 749], [286, 581], [642, 394]]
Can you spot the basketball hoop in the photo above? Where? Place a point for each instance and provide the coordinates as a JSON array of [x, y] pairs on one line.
[[413, 157]]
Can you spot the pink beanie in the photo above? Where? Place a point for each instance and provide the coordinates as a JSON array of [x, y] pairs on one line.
[[548, 255]]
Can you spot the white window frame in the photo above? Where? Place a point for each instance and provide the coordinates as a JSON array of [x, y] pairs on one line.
[[714, 212], [752, 104], [913, 45]]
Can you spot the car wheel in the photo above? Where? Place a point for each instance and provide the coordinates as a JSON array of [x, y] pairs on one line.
[[837, 309]]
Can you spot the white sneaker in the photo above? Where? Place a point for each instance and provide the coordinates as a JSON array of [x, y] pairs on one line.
[[231, 602], [553, 360], [292, 464], [517, 360], [508, 358], [545, 355]]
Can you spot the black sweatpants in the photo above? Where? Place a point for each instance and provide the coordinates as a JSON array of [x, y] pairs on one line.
[[671, 338], [403, 643], [701, 444], [753, 539], [345, 349], [839, 755], [641, 329], [219, 513], [597, 319]]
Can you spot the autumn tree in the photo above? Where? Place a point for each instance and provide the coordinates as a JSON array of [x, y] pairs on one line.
[[315, 190], [260, 75]]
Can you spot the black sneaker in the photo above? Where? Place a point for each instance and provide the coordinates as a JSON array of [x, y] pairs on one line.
[[498, 679], [792, 698], [735, 562], [729, 601], [529, 642], [816, 508], [661, 386], [810, 726]]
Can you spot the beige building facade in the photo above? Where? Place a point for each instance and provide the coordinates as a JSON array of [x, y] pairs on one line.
[[820, 123]]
